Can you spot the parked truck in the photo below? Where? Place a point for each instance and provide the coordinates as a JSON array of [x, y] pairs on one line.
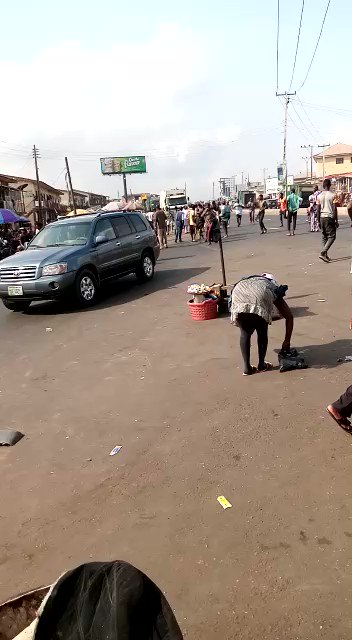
[[172, 198]]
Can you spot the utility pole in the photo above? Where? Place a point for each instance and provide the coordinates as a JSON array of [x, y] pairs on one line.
[[323, 147], [309, 146], [35, 156], [70, 185], [213, 190], [284, 158], [264, 179], [306, 159]]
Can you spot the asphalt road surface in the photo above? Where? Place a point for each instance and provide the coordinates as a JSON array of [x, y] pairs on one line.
[[136, 371]]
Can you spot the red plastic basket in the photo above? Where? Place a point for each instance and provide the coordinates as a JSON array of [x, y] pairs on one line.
[[207, 310]]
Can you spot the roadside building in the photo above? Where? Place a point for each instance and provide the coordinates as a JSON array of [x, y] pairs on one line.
[[83, 199], [50, 201], [336, 163], [10, 197]]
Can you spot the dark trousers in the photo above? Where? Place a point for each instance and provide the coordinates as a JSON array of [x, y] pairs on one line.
[[344, 404], [328, 233], [251, 215], [282, 217], [292, 217], [261, 215], [178, 233], [225, 225], [192, 230], [248, 323], [239, 220]]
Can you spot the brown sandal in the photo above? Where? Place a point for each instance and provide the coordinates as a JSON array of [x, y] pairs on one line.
[[251, 372], [267, 367]]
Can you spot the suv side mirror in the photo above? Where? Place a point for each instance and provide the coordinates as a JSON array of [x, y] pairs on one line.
[[101, 239]]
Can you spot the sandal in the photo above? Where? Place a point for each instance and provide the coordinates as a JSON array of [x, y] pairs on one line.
[[267, 367], [251, 372], [343, 422]]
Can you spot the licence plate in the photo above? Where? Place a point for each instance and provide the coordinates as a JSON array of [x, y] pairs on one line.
[[15, 291]]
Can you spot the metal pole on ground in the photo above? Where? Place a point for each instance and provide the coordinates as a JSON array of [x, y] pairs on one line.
[[222, 261]]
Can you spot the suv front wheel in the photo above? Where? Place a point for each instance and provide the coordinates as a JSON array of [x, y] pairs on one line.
[[86, 288], [145, 270]]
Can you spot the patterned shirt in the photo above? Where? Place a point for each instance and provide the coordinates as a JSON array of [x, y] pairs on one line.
[[254, 295]]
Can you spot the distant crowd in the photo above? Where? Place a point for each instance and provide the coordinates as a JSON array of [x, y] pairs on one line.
[[14, 240]]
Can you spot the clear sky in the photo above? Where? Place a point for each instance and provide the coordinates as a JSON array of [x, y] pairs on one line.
[[191, 84]]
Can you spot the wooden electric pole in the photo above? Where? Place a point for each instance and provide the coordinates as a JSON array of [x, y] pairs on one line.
[[284, 158], [35, 156], [70, 185]]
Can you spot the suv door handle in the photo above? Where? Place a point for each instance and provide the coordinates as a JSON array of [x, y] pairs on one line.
[[118, 244], [137, 237]]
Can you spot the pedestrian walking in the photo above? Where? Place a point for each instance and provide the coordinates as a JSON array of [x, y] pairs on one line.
[[341, 410], [160, 227], [262, 206], [313, 210], [252, 305], [192, 223], [225, 215], [185, 219], [327, 219], [282, 209], [293, 202], [178, 225], [209, 217], [200, 222], [238, 212], [251, 206]]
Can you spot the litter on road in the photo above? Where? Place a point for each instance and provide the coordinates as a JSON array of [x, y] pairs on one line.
[[321, 300], [348, 358], [224, 503], [115, 450], [9, 438], [48, 330]]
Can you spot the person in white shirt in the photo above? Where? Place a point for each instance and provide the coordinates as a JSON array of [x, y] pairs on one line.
[[327, 219]]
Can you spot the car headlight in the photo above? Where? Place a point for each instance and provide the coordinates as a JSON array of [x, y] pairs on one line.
[[54, 269]]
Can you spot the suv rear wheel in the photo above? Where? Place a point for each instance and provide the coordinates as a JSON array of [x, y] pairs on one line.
[[18, 305], [145, 270], [86, 288]]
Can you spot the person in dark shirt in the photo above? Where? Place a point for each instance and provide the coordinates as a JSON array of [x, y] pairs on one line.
[[160, 227]]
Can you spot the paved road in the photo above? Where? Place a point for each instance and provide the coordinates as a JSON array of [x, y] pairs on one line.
[[136, 371]]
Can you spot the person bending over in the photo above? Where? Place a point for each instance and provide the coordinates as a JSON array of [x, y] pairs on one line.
[[252, 304]]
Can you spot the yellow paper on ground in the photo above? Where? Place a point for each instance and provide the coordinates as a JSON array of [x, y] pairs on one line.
[[224, 503]]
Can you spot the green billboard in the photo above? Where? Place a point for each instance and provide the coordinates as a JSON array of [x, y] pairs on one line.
[[126, 164]]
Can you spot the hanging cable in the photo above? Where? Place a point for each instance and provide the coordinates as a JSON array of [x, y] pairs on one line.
[[277, 46], [297, 45], [316, 46]]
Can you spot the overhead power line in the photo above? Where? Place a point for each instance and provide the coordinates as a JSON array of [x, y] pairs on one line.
[[309, 131], [316, 46], [308, 117], [297, 45]]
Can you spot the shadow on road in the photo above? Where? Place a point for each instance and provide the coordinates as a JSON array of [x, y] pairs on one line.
[[121, 291], [326, 356], [301, 312]]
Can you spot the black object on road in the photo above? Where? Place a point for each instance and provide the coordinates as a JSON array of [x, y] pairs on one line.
[[291, 360]]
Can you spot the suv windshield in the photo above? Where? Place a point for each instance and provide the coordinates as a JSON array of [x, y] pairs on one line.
[[62, 234]]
